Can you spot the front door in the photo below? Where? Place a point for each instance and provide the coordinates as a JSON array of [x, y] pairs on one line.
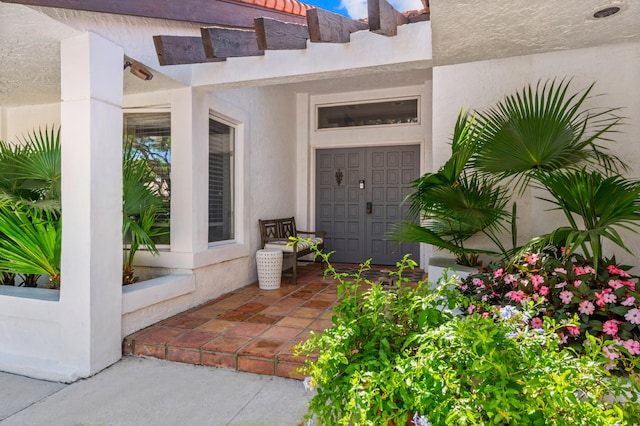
[[359, 194]]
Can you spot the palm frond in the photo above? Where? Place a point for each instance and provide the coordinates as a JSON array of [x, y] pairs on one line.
[[30, 241], [537, 131]]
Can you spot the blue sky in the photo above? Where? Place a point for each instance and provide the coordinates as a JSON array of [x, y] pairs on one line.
[[358, 8]]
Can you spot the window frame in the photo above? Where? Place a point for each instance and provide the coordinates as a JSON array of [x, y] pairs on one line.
[[214, 115], [165, 109]]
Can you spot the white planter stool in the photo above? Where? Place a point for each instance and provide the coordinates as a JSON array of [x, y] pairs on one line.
[[269, 263]]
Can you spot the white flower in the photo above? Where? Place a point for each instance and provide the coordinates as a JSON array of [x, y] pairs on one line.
[[308, 383], [507, 312], [419, 420], [633, 316]]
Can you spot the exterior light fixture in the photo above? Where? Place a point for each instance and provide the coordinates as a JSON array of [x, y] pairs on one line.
[[606, 11], [139, 70]]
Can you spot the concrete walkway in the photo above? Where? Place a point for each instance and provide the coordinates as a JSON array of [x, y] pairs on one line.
[[144, 391]]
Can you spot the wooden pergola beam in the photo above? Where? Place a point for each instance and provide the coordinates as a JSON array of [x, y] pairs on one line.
[[176, 50], [278, 35], [209, 12], [329, 27], [383, 18], [229, 42]]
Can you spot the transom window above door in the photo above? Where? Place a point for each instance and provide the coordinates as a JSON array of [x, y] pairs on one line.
[[377, 113]]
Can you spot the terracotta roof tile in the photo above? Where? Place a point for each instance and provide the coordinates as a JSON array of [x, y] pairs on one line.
[[293, 7]]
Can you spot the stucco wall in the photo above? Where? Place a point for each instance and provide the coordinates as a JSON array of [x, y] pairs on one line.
[[614, 68], [20, 121], [267, 151]]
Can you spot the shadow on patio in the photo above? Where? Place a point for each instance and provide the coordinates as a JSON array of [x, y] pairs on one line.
[[249, 329]]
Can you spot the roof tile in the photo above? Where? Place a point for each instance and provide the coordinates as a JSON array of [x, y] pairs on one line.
[[293, 7]]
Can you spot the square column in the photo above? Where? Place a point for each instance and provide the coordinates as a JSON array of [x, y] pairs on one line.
[[91, 138]]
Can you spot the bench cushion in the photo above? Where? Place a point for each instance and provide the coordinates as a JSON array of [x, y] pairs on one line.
[[288, 248]]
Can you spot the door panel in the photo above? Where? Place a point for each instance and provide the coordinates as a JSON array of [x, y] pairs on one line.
[[341, 204]]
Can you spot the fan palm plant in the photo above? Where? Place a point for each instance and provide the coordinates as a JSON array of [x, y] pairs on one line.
[[30, 207], [548, 136], [543, 135], [603, 203], [536, 132], [142, 206], [452, 205], [31, 241]]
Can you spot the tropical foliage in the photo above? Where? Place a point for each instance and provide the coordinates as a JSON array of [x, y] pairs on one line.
[[401, 356], [545, 137], [455, 203], [30, 215], [30, 208], [142, 207]]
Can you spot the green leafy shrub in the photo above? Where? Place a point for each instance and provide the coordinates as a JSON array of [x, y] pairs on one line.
[[401, 356]]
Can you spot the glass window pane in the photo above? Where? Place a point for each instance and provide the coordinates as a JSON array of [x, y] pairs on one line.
[[221, 178], [399, 111], [151, 137]]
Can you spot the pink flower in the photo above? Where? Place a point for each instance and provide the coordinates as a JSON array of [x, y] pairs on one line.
[[478, 282], [629, 301], [573, 329], [563, 284], [610, 298], [615, 284], [498, 273], [630, 284], [589, 270], [614, 270], [578, 270], [485, 314], [537, 280], [536, 323], [516, 296], [532, 258], [599, 299], [633, 316], [577, 283], [632, 346], [586, 307], [544, 290], [563, 337], [509, 279], [611, 327], [471, 308], [559, 270], [610, 352], [566, 296]]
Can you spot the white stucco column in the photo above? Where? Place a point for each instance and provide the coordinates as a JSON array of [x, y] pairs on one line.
[[91, 280], [189, 170]]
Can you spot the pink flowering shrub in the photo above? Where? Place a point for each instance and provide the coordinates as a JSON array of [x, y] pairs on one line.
[[606, 301]]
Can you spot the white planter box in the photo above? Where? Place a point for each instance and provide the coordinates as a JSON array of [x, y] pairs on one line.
[[438, 265]]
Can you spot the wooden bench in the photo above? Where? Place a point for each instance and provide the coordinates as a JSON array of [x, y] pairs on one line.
[[275, 233]]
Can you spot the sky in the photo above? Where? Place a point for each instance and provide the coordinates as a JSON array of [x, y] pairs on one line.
[[357, 9]]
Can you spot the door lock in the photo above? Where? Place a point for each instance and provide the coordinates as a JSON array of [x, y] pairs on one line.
[[369, 207]]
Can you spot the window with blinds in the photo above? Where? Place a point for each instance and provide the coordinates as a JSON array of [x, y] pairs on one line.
[[221, 181], [151, 136]]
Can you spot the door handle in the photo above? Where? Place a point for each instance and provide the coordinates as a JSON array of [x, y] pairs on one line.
[[369, 207]]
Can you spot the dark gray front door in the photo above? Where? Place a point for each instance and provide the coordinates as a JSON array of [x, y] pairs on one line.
[[359, 194]]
